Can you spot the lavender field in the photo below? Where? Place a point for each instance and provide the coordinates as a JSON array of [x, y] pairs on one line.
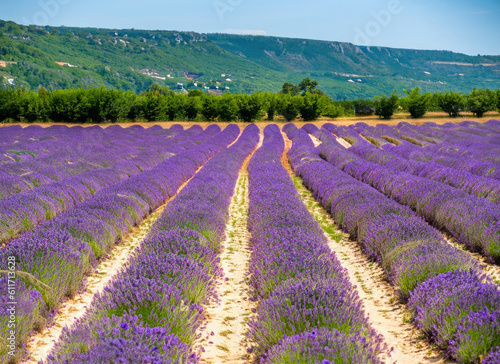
[[247, 244]]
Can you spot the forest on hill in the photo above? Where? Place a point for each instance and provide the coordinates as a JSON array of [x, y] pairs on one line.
[[32, 57]]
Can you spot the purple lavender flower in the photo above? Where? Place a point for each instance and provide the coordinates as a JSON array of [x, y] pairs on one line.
[[476, 335], [323, 346]]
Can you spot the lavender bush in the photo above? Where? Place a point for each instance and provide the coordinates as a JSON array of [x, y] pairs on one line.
[[162, 287], [476, 335], [440, 304], [447, 295], [474, 221], [25, 210], [299, 283], [62, 263], [323, 346]]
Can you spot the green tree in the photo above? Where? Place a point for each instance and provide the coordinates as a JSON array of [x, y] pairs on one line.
[[289, 89], [250, 106], [333, 110], [156, 89], [289, 106], [137, 108], [307, 86], [210, 107], [386, 106], [192, 107], [416, 103], [31, 107], [312, 106], [118, 105], [194, 93], [172, 105], [228, 108], [434, 102], [70, 105], [270, 105], [498, 100], [97, 98], [153, 108], [451, 102], [43, 96], [481, 101]]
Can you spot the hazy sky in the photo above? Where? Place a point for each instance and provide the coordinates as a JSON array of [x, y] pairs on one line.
[[465, 26]]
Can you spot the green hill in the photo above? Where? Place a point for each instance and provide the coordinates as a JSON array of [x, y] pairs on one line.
[[63, 57]]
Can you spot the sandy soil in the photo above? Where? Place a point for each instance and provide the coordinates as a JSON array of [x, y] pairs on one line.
[[344, 143], [437, 117], [223, 335], [315, 140], [341, 141], [380, 302], [40, 344]]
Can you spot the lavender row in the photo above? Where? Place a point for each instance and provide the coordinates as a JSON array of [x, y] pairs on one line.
[[477, 143], [34, 141], [470, 183], [160, 291], [26, 210], [88, 149], [423, 146], [462, 145], [441, 139], [449, 300], [473, 221], [308, 311], [440, 153], [59, 253]]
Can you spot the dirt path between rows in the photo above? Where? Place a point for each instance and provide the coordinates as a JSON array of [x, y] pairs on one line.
[[40, 344], [341, 141], [380, 302], [223, 335]]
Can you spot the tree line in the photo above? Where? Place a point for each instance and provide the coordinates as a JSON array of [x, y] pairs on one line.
[[478, 102], [305, 100]]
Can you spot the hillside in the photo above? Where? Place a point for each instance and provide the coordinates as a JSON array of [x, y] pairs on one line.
[[62, 57]]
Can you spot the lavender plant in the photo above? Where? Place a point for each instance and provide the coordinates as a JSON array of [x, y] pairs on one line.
[[62, 263], [299, 283], [162, 287], [447, 295]]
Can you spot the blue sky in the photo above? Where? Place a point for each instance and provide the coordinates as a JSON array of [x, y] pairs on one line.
[[470, 27]]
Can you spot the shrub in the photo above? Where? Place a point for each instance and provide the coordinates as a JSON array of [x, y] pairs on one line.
[[481, 101], [386, 106], [289, 106], [210, 108], [451, 103], [249, 106], [312, 106], [228, 108], [416, 103]]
